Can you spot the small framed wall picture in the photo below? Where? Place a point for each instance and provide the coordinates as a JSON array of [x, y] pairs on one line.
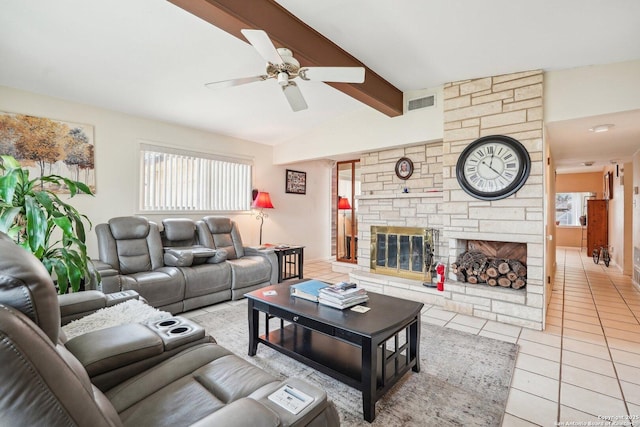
[[404, 168], [296, 182]]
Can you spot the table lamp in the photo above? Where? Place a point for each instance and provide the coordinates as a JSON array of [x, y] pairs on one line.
[[262, 201], [343, 205]]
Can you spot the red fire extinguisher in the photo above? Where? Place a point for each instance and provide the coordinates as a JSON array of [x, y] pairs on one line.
[[440, 275]]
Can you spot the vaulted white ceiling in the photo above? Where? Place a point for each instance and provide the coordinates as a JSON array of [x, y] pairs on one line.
[[152, 59]]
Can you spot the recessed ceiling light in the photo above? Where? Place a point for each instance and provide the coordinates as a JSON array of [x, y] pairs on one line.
[[587, 163], [601, 128]]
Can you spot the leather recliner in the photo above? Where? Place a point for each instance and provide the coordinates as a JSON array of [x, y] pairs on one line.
[[44, 384], [132, 246], [207, 275], [251, 268]]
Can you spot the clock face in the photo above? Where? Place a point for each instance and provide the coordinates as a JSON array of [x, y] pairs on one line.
[[493, 167]]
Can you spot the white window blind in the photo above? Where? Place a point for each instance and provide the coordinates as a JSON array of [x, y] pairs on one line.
[[175, 180]]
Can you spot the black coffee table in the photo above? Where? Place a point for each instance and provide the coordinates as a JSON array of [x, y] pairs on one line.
[[368, 351]]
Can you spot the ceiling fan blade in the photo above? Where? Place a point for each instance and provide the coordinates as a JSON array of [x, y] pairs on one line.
[[261, 41], [235, 82], [333, 74], [294, 96]]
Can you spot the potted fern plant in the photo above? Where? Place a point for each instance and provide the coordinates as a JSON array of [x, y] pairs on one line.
[[39, 221]]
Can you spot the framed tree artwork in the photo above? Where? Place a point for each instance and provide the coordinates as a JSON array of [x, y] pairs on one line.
[[50, 147], [296, 182]]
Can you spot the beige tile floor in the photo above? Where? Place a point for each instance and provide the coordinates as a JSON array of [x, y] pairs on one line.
[[583, 367]]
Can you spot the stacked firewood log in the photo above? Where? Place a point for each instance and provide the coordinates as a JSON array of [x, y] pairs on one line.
[[476, 267]]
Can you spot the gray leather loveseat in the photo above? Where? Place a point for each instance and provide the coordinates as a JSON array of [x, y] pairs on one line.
[[45, 383], [189, 265]]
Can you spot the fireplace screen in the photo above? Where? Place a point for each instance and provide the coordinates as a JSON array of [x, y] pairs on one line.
[[403, 251]]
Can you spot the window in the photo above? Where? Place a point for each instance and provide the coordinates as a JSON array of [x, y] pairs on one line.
[[570, 207], [177, 180]]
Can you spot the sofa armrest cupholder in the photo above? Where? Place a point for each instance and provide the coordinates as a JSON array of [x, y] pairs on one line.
[[180, 330], [176, 331], [167, 323]]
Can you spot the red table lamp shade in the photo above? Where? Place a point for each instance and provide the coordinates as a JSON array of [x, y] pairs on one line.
[[262, 200], [343, 203]]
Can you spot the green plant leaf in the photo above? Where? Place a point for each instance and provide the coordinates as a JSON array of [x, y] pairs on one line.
[[8, 183], [84, 188], [75, 276], [80, 229], [73, 188], [61, 275], [8, 162], [45, 200], [36, 226], [7, 218], [73, 265], [64, 224]]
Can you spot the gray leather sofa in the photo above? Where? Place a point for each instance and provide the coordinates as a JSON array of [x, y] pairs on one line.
[[180, 269], [44, 383]]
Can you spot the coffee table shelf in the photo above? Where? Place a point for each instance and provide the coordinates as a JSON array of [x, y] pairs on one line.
[[319, 351], [368, 351]]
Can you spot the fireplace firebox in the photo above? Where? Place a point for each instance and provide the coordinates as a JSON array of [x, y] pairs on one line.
[[409, 252], [493, 263]]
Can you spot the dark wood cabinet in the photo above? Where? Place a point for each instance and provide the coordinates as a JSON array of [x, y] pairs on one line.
[[597, 224]]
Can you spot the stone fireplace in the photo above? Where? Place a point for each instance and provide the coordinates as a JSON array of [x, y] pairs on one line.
[[432, 199]]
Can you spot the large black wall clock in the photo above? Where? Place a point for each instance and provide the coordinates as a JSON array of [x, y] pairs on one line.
[[493, 167]]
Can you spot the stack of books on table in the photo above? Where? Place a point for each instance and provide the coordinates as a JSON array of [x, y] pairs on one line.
[[309, 289], [342, 295]]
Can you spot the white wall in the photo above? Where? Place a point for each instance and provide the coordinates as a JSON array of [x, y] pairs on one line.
[[116, 143], [587, 91], [365, 130]]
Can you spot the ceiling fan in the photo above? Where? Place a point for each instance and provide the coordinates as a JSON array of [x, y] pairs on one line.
[[283, 67]]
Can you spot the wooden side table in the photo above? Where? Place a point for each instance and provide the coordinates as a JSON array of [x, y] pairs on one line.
[[290, 262]]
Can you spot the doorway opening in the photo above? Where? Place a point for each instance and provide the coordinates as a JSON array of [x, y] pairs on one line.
[[346, 206]]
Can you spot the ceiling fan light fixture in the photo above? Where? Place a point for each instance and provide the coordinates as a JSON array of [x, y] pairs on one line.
[[287, 57], [284, 68], [283, 78], [601, 128]]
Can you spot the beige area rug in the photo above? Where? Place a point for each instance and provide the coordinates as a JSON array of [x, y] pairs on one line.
[[464, 379]]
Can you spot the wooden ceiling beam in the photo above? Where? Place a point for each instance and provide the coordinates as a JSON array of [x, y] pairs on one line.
[[309, 47]]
